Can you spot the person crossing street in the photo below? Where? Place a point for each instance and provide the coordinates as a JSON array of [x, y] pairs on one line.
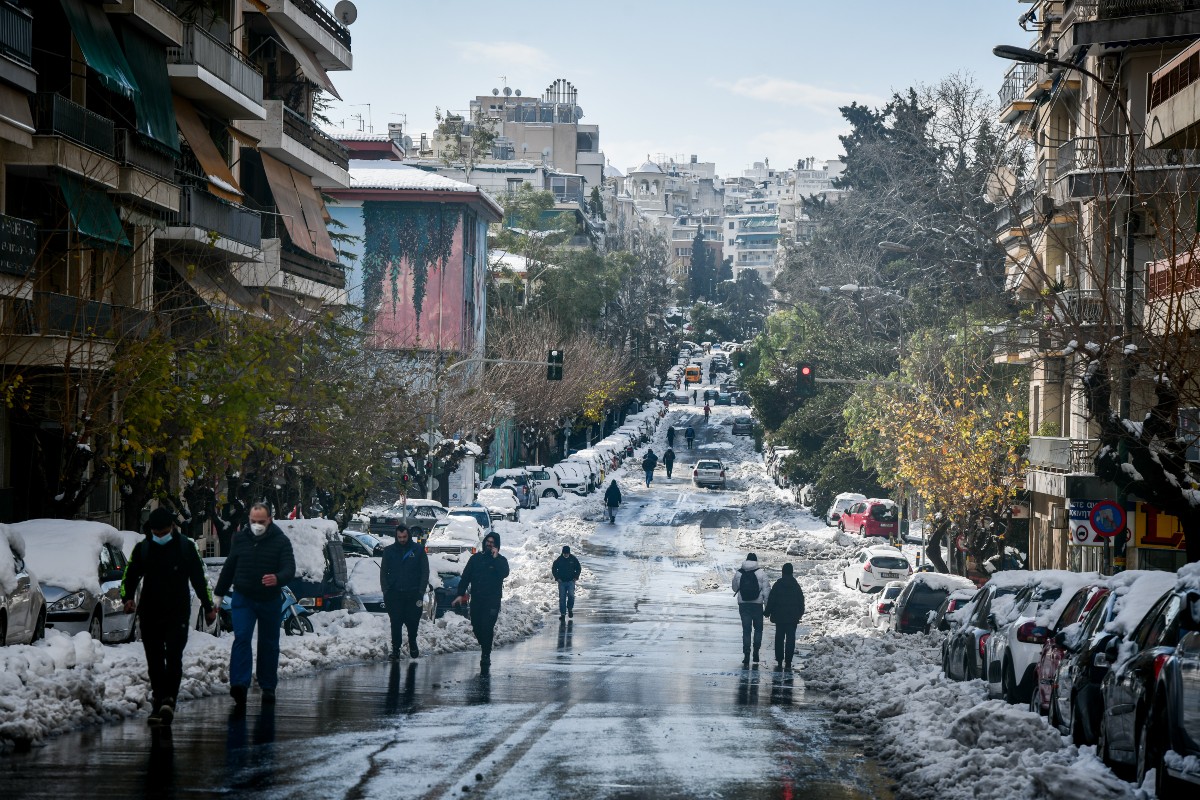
[[566, 570]]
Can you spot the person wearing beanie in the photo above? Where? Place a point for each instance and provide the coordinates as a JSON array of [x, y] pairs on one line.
[[751, 587], [566, 570], [785, 607], [164, 563], [483, 578]]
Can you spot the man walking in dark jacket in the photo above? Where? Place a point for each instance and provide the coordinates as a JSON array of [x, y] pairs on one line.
[[751, 588], [404, 576], [785, 607], [566, 571], [612, 499], [259, 563], [649, 462], [668, 460], [165, 563], [484, 579]]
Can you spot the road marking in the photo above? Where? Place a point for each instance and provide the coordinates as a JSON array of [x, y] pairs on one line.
[[497, 761]]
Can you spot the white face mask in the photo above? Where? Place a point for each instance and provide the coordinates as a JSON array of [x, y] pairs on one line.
[[257, 528]]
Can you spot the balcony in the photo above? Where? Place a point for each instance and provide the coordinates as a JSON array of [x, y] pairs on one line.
[[1062, 454], [69, 138], [209, 226], [58, 116], [213, 73], [1093, 165], [316, 28], [1090, 306], [1118, 24], [64, 315], [290, 138], [147, 172], [151, 17], [1173, 294], [1017, 83], [1173, 117]]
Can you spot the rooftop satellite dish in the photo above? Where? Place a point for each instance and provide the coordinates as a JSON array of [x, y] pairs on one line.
[[578, 112], [495, 92], [407, 142], [518, 92], [507, 92], [345, 12]]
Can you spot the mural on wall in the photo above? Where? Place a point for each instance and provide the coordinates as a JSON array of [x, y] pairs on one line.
[[415, 277]]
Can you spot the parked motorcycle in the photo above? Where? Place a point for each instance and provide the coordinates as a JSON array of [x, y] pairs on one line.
[[295, 617]]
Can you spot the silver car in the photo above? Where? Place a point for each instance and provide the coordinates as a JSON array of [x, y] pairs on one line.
[[22, 607]]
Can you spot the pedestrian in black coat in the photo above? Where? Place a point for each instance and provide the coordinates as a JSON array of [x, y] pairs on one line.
[[165, 563], [404, 577], [785, 607], [668, 460], [648, 464], [484, 578], [566, 570]]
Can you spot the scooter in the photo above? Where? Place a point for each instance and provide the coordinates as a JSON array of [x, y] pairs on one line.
[[295, 616]]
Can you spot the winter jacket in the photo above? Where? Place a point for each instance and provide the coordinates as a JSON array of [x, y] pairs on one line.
[[748, 569], [649, 463], [690, 433], [785, 606], [612, 495], [404, 568], [251, 557], [165, 570], [669, 457], [484, 578], [566, 568]]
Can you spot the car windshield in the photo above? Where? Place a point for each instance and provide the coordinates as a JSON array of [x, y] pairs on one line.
[[742, 420], [892, 592], [883, 513], [923, 596], [889, 562], [480, 516], [708, 465]]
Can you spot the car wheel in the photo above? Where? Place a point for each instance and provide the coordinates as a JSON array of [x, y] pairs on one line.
[[1148, 755], [1008, 684], [858, 585], [1080, 733], [845, 582], [550, 493], [968, 668], [863, 531], [96, 627], [841, 527], [1034, 704], [1052, 715], [429, 608], [39, 628], [135, 629]]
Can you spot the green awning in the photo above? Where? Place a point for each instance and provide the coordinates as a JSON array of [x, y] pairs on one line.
[[92, 213], [155, 111], [98, 42]]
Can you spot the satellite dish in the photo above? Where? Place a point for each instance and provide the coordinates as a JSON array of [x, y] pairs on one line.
[[407, 142], [346, 12], [507, 92], [578, 112], [495, 92]]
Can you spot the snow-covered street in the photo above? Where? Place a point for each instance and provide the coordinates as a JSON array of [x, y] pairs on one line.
[[643, 692]]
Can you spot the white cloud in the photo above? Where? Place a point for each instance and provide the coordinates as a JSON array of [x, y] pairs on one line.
[[782, 91], [504, 55]]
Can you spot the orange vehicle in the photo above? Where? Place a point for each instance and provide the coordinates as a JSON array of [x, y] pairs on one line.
[[691, 374]]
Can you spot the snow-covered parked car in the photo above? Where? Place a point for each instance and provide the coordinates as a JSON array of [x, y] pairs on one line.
[[418, 514], [455, 536], [500, 503], [521, 482], [320, 582], [545, 481], [80, 565], [882, 607], [946, 616], [475, 512], [874, 566], [571, 477], [963, 649], [364, 584], [840, 503], [922, 596], [22, 606]]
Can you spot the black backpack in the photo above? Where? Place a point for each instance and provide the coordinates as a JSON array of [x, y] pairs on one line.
[[748, 589]]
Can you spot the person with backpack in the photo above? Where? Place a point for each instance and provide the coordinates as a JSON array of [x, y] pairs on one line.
[[648, 464], [690, 435], [751, 587], [566, 570], [668, 460], [164, 563], [612, 499], [785, 608]]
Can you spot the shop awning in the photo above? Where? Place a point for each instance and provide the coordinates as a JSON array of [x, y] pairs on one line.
[[98, 42], [15, 116], [216, 286], [220, 179], [309, 65], [301, 207], [243, 138], [155, 111], [92, 214]]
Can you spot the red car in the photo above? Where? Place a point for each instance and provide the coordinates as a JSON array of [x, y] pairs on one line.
[[1053, 651], [872, 517]]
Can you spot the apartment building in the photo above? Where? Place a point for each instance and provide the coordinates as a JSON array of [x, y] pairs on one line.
[[159, 163], [1099, 239]]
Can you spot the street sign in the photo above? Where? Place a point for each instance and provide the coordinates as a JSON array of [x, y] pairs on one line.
[[1079, 523], [1107, 518]]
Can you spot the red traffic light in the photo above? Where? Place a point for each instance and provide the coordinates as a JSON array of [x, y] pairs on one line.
[[806, 370]]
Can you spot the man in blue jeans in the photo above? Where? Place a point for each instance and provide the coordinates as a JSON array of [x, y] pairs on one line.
[[566, 569], [260, 561]]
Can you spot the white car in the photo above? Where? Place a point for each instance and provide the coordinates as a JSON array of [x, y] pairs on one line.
[[477, 513], [571, 477], [22, 607], [709, 472], [500, 503], [881, 607], [840, 503], [545, 481], [455, 536], [874, 567]]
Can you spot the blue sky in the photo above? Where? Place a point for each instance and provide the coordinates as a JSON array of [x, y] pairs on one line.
[[730, 82]]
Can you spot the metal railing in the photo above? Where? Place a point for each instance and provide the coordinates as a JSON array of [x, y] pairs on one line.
[[1092, 306], [16, 34], [199, 208], [1090, 154], [1017, 82], [1115, 9], [1062, 454], [315, 139], [134, 150], [58, 116], [1173, 77], [65, 315], [325, 18], [203, 49]]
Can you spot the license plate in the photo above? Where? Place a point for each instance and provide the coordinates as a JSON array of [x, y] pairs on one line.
[[889, 574]]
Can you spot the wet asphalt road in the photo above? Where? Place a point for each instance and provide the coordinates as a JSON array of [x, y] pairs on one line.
[[641, 695]]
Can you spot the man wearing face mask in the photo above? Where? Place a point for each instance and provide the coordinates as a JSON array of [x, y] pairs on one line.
[[164, 564], [259, 563]]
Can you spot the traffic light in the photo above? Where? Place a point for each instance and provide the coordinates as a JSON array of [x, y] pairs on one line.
[[806, 380], [739, 358], [554, 360]]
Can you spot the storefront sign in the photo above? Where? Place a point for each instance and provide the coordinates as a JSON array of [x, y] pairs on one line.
[[18, 245], [1154, 529], [1080, 532]]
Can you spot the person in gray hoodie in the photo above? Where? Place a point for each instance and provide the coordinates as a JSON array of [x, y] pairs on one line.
[[751, 587]]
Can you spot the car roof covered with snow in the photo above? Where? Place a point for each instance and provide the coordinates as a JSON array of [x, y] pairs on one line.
[[66, 553], [457, 528], [1137, 591], [498, 497], [308, 538], [942, 582]]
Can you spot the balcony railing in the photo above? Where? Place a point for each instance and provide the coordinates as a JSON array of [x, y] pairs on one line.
[[73, 316], [1017, 82], [1176, 75], [1092, 306], [1082, 10], [325, 18], [135, 151], [16, 34], [1063, 454], [312, 137], [58, 116], [200, 209], [204, 50], [1091, 154]]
